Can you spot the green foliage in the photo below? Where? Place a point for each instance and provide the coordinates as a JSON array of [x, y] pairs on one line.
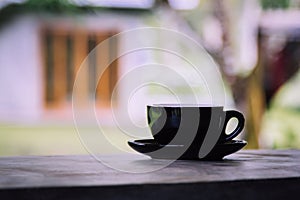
[[41, 6], [56, 6], [8, 13], [275, 4], [51, 6]]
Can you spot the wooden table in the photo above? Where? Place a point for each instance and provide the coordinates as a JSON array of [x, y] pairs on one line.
[[247, 174]]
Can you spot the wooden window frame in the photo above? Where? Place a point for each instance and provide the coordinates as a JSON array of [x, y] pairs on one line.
[[61, 65]]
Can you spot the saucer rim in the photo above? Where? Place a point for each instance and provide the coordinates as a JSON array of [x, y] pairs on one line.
[[214, 155], [170, 105], [141, 142]]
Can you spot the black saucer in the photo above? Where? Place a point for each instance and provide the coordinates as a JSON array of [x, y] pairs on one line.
[[149, 147]]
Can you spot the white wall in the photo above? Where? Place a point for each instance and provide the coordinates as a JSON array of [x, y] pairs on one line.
[[20, 70]]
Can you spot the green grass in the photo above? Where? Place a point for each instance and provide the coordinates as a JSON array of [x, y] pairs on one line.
[[52, 140], [37, 140]]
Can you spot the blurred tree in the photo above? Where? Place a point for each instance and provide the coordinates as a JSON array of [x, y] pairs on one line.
[[57, 6], [248, 92], [37, 6], [247, 88]]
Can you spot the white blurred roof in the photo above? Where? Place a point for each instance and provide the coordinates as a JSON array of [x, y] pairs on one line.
[[115, 3]]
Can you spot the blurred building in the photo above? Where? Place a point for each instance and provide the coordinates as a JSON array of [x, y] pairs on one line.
[[40, 54]]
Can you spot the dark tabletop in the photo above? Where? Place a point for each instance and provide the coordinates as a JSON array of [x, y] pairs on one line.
[[250, 173]]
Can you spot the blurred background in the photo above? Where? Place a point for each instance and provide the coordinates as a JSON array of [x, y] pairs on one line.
[[256, 44]]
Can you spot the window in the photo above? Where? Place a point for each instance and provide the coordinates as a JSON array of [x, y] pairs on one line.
[[64, 51]]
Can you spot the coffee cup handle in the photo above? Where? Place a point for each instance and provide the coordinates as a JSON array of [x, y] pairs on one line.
[[241, 121]]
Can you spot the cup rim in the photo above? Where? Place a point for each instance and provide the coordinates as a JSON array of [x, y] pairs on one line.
[[174, 105]]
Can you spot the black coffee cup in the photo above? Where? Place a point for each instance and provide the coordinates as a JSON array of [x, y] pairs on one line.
[[191, 124]]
